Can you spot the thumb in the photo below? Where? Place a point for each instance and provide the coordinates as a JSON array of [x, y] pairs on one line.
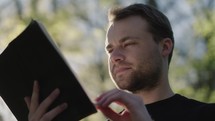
[[109, 113]]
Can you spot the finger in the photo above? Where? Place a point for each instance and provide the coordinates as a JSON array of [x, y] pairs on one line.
[[126, 115], [46, 103], [106, 98], [114, 96], [118, 96], [109, 113], [34, 99], [27, 101], [106, 94], [54, 112]]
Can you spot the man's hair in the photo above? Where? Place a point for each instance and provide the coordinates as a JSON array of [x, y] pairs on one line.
[[159, 24]]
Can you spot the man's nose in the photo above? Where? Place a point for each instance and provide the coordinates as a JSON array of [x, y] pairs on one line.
[[117, 55]]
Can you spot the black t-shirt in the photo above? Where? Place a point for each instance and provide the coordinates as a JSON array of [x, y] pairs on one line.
[[180, 108]]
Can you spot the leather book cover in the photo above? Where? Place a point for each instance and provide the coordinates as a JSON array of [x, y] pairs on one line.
[[33, 55]]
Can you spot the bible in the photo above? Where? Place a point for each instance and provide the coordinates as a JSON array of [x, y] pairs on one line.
[[31, 56]]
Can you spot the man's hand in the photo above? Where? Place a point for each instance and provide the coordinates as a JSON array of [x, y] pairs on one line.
[[38, 112], [135, 109]]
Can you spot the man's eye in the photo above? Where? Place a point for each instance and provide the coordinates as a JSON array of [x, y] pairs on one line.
[[128, 44], [109, 50]]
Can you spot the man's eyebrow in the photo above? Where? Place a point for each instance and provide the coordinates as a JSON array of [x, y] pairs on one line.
[[128, 38], [122, 40]]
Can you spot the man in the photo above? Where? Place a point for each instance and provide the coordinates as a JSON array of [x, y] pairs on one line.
[[139, 44]]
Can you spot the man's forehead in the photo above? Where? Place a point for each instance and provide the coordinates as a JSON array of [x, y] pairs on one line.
[[113, 31], [108, 33]]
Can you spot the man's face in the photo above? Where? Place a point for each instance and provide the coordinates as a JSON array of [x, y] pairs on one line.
[[135, 59]]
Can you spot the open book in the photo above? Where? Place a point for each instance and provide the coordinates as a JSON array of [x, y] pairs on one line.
[[33, 56]]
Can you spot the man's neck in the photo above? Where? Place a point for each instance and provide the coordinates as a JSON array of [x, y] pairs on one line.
[[161, 92]]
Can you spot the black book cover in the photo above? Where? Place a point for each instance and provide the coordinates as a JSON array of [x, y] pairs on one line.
[[33, 56]]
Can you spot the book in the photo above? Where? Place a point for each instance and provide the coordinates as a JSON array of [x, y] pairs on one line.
[[31, 56]]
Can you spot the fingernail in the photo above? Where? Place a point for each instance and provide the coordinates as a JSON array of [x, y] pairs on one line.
[[64, 105], [57, 91], [36, 83]]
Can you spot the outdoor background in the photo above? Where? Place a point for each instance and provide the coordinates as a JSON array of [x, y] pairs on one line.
[[78, 27]]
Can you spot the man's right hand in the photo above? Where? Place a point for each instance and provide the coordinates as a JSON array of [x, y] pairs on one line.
[[134, 106]]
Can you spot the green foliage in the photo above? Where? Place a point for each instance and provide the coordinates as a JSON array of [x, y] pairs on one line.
[[79, 31], [205, 66], [77, 28]]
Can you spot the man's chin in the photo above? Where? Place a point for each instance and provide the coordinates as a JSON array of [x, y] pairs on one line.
[[122, 86]]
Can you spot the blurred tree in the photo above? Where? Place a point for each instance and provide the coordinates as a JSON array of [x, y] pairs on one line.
[[204, 64], [78, 27]]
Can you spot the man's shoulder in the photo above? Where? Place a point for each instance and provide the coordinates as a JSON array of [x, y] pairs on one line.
[[196, 104], [181, 108]]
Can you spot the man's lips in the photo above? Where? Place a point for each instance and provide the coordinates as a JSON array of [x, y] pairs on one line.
[[119, 70]]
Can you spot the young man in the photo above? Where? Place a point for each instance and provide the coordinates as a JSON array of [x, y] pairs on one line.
[[139, 45]]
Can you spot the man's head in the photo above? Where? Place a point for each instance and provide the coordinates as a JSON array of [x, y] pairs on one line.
[[159, 24], [139, 43]]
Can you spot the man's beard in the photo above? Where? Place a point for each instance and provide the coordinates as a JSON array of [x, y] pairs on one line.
[[144, 77], [140, 80]]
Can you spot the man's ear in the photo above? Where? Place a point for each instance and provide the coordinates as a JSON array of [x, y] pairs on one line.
[[166, 46]]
